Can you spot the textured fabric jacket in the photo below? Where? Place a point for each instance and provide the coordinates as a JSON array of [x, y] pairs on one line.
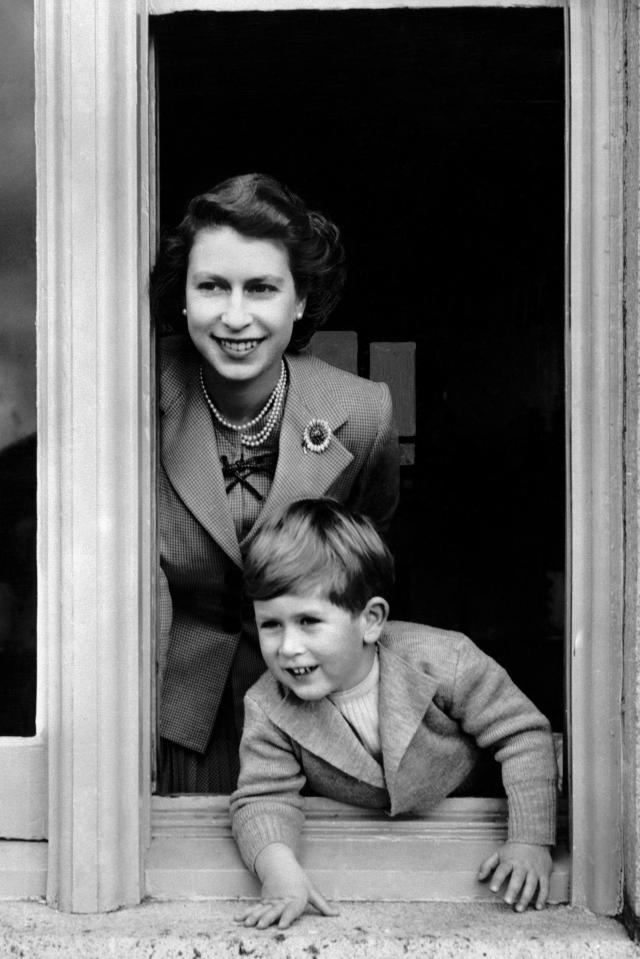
[[441, 700], [202, 609]]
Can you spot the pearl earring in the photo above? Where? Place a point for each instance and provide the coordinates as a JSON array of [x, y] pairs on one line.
[[184, 311]]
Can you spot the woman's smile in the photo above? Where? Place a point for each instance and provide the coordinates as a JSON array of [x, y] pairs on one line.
[[241, 304], [238, 347]]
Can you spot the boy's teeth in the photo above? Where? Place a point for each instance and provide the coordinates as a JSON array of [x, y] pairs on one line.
[[301, 670]]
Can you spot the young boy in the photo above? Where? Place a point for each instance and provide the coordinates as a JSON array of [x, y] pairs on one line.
[[374, 713]]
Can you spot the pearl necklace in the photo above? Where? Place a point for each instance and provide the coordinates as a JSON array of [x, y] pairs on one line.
[[271, 410]]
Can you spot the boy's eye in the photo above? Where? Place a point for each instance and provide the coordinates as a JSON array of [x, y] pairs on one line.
[[309, 620], [269, 624]]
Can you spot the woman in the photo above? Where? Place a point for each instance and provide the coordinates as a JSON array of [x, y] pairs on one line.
[[245, 429]]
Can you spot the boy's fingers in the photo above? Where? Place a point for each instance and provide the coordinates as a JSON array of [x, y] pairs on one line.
[[543, 892], [256, 907], [251, 918], [515, 885], [317, 899], [290, 913], [261, 914], [255, 917], [487, 867], [528, 891], [499, 876], [271, 914], [251, 912]]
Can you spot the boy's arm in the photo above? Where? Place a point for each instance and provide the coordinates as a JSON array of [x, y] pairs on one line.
[[266, 821], [491, 708], [267, 806]]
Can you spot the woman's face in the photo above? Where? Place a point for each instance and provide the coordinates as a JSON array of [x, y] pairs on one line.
[[241, 305]]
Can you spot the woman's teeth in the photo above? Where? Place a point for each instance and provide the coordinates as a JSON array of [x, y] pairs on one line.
[[238, 346]]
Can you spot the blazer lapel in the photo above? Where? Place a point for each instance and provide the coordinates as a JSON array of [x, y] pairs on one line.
[[189, 450], [405, 695], [190, 458], [299, 473], [320, 729]]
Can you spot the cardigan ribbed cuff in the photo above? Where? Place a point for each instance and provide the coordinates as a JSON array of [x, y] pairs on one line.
[[532, 811], [254, 830]]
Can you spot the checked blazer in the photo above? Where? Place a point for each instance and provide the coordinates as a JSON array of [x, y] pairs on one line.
[[202, 607]]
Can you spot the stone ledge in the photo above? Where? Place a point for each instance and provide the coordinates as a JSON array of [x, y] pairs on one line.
[[206, 930]]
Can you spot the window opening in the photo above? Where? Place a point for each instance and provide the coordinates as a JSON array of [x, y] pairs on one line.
[[435, 139]]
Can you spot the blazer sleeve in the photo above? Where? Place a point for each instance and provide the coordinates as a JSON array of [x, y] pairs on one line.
[[377, 488], [491, 708], [267, 806]]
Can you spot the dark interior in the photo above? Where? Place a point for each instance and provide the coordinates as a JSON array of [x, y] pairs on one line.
[[435, 139]]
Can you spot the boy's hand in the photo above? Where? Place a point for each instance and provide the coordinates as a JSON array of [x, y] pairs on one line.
[[528, 869], [286, 890]]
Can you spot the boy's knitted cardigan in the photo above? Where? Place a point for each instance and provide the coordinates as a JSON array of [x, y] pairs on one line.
[[442, 701]]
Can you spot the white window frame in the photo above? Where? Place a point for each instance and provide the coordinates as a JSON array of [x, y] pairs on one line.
[[96, 455]]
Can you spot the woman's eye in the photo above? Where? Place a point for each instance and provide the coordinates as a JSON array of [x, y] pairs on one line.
[[209, 285], [262, 289]]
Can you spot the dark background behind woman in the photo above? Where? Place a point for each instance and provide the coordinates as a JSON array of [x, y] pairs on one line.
[[436, 139]]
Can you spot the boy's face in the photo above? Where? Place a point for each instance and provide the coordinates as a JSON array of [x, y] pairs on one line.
[[313, 647]]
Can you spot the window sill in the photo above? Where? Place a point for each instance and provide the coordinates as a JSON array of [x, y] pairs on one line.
[[23, 870], [395, 931], [351, 853]]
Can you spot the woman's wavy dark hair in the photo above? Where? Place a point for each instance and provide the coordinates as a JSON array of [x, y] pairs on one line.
[[257, 206]]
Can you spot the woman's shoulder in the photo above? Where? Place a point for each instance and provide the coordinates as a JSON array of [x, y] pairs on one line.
[[178, 360], [317, 376], [173, 347]]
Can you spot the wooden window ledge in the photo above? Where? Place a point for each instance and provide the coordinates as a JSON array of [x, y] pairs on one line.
[[351, 853]]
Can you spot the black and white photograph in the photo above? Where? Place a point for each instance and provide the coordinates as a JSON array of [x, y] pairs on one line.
[[319, 465]]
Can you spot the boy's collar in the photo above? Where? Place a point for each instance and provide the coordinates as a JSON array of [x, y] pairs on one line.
[[322, 730], [364, 686], [405, 695]]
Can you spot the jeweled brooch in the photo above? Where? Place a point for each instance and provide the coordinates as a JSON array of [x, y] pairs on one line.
[[316, 437]]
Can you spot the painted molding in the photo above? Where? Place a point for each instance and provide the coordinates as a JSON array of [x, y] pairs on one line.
[[595, 372], [631, 749], [89, 436], [455, 818], [23, 870], [350, 852], [23, 788], [157, 7]]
